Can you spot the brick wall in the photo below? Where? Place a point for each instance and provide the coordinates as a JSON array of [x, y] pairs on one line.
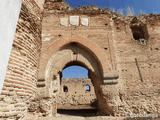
[[21, 76], [22, 68]]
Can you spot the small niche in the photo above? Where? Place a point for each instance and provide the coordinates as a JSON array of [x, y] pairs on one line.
[[140, 33], [87, 88], [157, 49], [54, 77], [143, 41], [65, 89], [74, 53], [59, 35], [106, 48]]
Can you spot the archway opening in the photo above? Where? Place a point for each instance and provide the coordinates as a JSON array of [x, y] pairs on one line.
[[71, 54], [77, 94]]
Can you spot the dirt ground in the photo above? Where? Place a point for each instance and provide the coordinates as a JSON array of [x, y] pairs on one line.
[[74, 115], [69, 117], [80, 115]]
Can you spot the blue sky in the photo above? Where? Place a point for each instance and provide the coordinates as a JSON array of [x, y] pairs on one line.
[[75, 72], [146, 6]]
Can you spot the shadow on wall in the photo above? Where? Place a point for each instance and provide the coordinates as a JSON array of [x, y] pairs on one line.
[[84, 113]]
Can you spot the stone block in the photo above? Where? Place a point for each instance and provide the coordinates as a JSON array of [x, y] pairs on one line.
[[74, 20], [64, 21], [115, 81], [108, 76], [84, 21]]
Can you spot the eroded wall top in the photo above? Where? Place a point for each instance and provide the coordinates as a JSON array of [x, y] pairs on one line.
[[59, 7]]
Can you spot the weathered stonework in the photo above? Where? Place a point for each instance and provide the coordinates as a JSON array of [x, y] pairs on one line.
[[74, 20], [64, 21], [12, 107], [73, 94], [84, 21], [121, 53]]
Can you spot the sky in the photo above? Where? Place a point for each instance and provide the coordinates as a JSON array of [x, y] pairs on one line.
[[139, 6], [75, 72]]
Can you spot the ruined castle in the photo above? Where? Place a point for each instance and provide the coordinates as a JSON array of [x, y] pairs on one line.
[[121, 53]]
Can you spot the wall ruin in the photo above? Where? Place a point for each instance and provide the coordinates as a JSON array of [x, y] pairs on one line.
[[76, 93], [114, 36], [123, 68]]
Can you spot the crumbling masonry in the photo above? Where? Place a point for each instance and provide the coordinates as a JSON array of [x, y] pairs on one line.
[[122, 55]]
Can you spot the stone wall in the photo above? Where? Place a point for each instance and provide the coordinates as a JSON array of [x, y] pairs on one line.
[[140, 95], [60, 28], [125, 55], [76, 93], [13, 107]]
